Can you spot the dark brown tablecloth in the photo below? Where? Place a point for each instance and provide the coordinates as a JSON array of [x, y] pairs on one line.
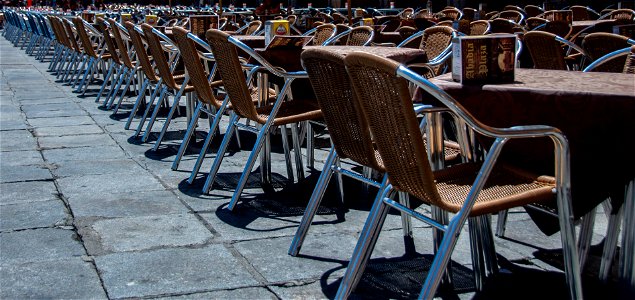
[[596, 112]]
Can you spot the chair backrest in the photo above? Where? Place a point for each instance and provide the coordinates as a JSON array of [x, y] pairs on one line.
[[546, 52], [232, 74], [512, 15], [60, 32], [491, 15], [347, 127], [479, 27], [323, 33], [560, 28], [121, 45], [533, 22], [110, 43], [500, 25], [622, 14], [360, 36], [158, 55], [448, 23], [435, 40], [533, 11], [87, 45], [407, 13], [469, 14], [599, 44], [515, 8], [141, 51], [387, 106], [580, 13], [406, 31], [452, 13], [254, 27], [70, 32], [194, 67]]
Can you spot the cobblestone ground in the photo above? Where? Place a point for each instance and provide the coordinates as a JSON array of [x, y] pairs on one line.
[[86, 211]]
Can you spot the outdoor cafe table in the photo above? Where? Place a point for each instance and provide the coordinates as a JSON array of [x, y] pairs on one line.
[[595, 111], [290, 60]]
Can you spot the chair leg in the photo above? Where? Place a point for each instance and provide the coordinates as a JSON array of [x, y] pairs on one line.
[[287, 153], [476, 250], [586, 235], [89, 69], [131, 74], [168, 119], [219, 155], [501, 223], [366, 243], [610, 241], [113, 93], [298, 152], [314, 203], [155, 112], [310, 146], [260, 142], [191, 128], [627, 271], [137, 103], [406, 220], [208, 139]]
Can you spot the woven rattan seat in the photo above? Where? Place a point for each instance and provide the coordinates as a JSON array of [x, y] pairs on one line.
[[360, 36], [387, 107]]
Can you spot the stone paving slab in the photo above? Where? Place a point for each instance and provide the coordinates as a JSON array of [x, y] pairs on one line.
[[171, 271], [143, 233], [32, 191], [67, 130], [106, 183], [112, 205], [14, 140], [32, 215], [39, 245], [83, 154], [57, 279], [24, 173], [20, 158], [84, 139]]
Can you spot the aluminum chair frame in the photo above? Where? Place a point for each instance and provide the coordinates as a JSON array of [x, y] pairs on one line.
[[383, 202], [262, 131]]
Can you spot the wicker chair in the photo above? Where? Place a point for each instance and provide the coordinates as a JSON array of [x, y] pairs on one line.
[[387, 106], [599, 44], [559, 28], [323, 33], [407, 13], [66, 49], [491, 15], [533, 23], [620, 14], [151, 79], [451, 13], [280, 113], [515, 8], [161, 46], [115, 66], [349, 133], [607, 62], [500, 25], [469, 14], [437, 43], [546, 50], [583, 13], [129, 66], [76, 48], [533, 11], [512, 15], [479, 27], [87, 34], [358, 36]]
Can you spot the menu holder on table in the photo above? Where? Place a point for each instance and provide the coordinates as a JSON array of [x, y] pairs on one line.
[[274, 28], [199, 24], [151, 20], [484, 59], [288, 42]]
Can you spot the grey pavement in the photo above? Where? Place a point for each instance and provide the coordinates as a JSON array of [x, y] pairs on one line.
[[88, 212]]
